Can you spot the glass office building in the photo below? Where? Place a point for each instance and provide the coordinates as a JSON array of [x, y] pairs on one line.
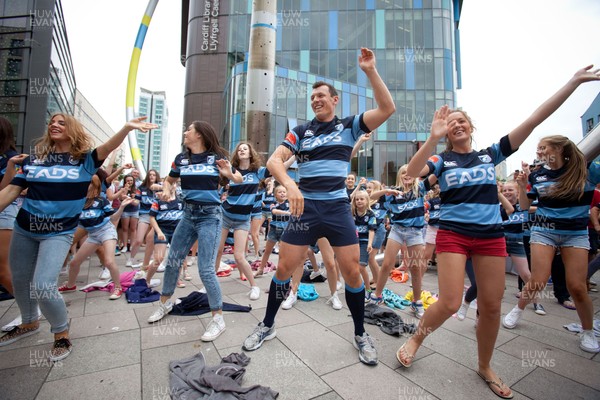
[[36, 71], [152, 145], [415, 42]]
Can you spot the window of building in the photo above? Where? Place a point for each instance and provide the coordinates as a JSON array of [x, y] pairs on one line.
[[590, 124]]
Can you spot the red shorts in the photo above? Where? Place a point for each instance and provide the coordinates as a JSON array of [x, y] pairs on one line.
[[452, 242]]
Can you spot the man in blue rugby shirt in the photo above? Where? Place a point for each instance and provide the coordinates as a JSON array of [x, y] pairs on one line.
[[319, 206]]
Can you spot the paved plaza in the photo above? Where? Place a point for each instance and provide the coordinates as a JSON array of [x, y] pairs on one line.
[[118, 355]]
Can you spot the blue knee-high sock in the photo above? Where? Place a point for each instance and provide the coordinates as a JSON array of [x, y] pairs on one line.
[[355, 298], [277, 293]]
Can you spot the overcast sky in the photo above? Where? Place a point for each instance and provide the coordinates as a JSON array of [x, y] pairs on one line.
[[515, 54]]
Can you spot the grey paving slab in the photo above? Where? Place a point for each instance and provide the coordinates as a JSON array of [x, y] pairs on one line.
[[75, 306], [276, 366], [43, 337], [568, 365], [22, 382], [114, 383], [155, 365], [284, 317], [450, 381], [318, 347], [98, 353], [30, 356], [328, 396], [359, 381], [143, 313], [171, 330], [100, 304], [466, 328], [323, 313], [238, 326], [547, 385], [242, 298], [103, 323]]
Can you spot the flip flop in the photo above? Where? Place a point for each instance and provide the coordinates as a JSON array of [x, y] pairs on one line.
[[401, 353], [568, 304], [498, 386]]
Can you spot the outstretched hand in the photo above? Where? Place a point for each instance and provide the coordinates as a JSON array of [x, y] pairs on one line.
[[18, 159], [439, 125], [366, 60], [140, 125], [587, 74]]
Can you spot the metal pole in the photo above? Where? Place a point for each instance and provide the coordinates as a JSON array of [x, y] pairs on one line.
[[590, 144], [260, 80]]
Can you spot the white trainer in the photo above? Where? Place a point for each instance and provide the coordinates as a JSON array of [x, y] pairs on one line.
[[215, 327], [588, 342], [104, 274], [335, 302], [290, 301], [511, 319], [254, 293], [461, 314], [162, 310], [339, 285]]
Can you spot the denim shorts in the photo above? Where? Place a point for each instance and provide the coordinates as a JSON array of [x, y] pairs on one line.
[[379, 237], [144, 219], [243, 225], [364, 254], [408, 235], [431, 234], [133, 214], [267, 215], [558, 240], [7, 217], [256, 213], [514, 245], [102, 234], [275, 233]]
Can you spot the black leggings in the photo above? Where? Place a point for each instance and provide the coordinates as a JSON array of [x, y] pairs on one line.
[[471, 291]]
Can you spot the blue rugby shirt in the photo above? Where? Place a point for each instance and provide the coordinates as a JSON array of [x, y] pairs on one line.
[[281, 221], [57, 191], [364, 224], [199, 177], [242, 196], [469, 193], [408, 209], [167, 214], [97, 215], [323, 152]]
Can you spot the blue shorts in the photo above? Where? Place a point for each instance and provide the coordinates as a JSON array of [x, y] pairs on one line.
[[408, 235], [331, 219], [275, 233], [102, 234], [364, 254], [514, 245], [235, 224], [379, 237], [7, 217], [267, 215], [558, 240]]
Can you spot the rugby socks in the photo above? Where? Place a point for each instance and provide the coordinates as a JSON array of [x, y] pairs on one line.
[[277, 293], [355, 299]]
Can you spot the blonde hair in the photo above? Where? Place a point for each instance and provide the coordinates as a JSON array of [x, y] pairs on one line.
[[449, 146], [81, 142], [376, 187], [400, 182], [571, 184], [356, 195]]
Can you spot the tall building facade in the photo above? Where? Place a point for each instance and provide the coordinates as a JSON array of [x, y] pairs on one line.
[[154, 144], [36, 70], [416, 43], [591, 117]]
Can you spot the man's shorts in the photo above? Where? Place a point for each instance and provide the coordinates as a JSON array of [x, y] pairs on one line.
[[331, 219]]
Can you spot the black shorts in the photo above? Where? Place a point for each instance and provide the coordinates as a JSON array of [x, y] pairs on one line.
[[331, 219]]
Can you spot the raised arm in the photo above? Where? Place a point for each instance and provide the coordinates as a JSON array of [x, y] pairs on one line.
[[117, 172], [521, 132], [11, 170], [276, 166], [506, 204], [361, 140], [105, 149], [385, 104], [417, 166]]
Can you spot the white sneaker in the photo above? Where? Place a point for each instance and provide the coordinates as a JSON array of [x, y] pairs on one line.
[[335, 302], [15, 322], [339, 285], [153, 283], [215, 327], [461, 314], [202, 290], [104, 274], [314, 274], [162, 310], [511, 319], [290, 301], [139, 275], [161, 267], [254, 293], [129, 263], [64, 271], [588, 342]]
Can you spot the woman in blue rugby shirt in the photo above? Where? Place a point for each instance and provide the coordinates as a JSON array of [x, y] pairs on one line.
[[470, 222], [237, 209], [564, 192], [199, 169], [145, 195], [57, 176]]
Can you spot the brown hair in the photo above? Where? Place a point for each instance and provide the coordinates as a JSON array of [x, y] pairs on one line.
[[332, 90], [146, 181], [209, 137], [571, 184], [93, 191], [7, 137], [81, 142], [449, 146], [255, 159]]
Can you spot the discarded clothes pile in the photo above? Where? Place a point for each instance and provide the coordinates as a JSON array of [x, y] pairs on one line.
[[191, 378], [575, 327], [196, 303], [426, 297], [141, 293], [387, 320], [307, 292]]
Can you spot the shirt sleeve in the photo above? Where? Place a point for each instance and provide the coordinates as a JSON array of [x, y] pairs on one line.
[[20, 179]]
